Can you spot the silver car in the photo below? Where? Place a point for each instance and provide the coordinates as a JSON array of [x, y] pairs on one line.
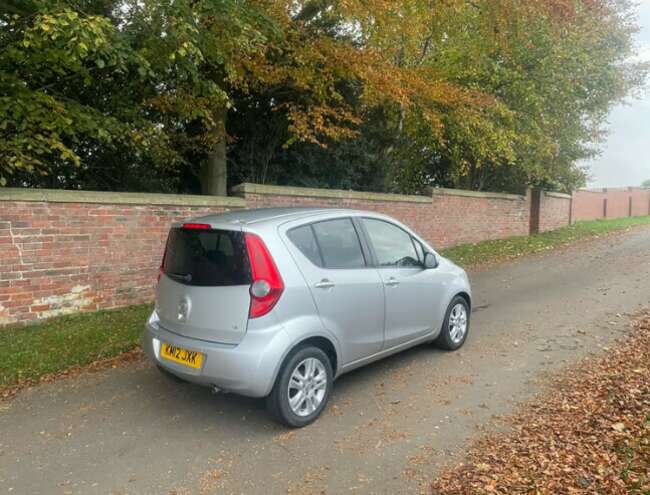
[[279, 302]]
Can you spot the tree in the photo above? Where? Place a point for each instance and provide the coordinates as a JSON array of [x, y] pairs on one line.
[[157, 78], [538, 79], [179, 95], [646, 184], [552, 69], [144, 79]]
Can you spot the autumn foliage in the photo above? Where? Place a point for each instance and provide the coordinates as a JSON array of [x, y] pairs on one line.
[[482, 94], [590, 434]]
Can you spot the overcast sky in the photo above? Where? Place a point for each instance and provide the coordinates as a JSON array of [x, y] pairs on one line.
[[625, 160]]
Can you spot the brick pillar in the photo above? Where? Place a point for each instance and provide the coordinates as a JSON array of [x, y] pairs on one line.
[[535, 209], [629, 207]]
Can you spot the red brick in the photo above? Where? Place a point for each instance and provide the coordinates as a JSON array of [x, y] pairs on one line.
[[590, 204]]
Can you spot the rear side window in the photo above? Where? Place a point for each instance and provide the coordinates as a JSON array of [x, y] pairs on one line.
[[339, 244], [303, 238], [207, 258], [393, 246]]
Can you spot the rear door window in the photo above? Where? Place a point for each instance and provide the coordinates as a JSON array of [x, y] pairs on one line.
[[339, 244], [207, 258], [304, 239]]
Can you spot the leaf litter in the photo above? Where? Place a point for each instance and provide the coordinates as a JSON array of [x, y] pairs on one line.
[[589, 434]]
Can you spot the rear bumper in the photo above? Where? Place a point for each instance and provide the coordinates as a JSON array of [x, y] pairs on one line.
[[248, 368]]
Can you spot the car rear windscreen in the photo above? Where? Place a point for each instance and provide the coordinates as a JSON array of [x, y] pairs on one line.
[[207, 258]]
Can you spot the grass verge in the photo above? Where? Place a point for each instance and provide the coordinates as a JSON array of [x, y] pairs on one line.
[[486, 252], [589, 434], [28, 353]]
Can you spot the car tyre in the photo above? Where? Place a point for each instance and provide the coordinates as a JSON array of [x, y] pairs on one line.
[[307, 371], [455, 326]]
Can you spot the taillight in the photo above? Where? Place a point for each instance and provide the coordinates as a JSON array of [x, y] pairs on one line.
[[267, 285]]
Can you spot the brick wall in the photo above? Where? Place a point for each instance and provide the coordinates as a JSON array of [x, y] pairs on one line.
[[588, 205], [618, 203], [75, 251], [67, 251], [640, 202], [411, 210], [458, 217], [610, 203], [554, 211], [445, 218]]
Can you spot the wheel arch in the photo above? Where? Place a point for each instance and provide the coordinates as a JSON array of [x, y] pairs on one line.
[[321, 342], [467, 297]]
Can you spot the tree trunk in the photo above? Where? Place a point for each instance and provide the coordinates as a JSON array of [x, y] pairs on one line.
[[214, 172]]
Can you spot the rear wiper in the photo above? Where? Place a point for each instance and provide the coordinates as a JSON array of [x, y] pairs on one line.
[[186, 277]]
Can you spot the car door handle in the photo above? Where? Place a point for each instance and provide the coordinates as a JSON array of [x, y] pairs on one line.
[[324, 284], [392, 282]]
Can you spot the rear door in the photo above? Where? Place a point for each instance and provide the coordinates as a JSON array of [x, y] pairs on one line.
[[347, 291], [203, 291], [412, 293]]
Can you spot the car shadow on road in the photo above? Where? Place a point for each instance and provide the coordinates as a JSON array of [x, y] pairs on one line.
[[200, 408]]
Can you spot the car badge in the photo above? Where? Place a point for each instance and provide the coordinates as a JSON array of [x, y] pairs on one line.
[[183, 309]]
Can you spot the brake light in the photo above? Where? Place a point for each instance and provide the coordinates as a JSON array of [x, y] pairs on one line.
[[198, 226], [267, 285]]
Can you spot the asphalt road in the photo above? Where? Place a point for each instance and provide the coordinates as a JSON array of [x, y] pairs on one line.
[[389, 427]]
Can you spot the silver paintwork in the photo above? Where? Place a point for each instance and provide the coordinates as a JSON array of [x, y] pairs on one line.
[[366, 313]]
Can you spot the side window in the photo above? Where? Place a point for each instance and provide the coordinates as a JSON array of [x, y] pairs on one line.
[[392, 245], [419, 249], [303, 238], [339, 244]]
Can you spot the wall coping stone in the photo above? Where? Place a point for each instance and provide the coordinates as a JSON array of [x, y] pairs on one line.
[[554, 194], [590, 191], [249, 188], [125, 198], [476, 194], [614, 189]]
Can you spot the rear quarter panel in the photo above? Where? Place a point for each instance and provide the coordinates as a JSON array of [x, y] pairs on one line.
[[295, 311]]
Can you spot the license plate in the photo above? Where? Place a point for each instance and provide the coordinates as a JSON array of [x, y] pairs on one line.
[[193, 359]]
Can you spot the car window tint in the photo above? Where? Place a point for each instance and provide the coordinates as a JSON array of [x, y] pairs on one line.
[[207, 258], [392, 245], [303, 238], [339, 243]]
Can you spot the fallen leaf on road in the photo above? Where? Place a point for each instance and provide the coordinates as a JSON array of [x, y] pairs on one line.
[[589, 434]]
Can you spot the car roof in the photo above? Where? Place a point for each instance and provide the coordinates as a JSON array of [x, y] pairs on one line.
[[271, 215]]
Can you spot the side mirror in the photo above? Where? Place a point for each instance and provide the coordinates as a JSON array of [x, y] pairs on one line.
[[430, 261]]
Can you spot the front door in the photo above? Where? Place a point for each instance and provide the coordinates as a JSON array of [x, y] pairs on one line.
[[411, 292]]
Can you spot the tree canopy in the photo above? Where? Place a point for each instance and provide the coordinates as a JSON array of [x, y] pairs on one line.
[[178, 95]]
